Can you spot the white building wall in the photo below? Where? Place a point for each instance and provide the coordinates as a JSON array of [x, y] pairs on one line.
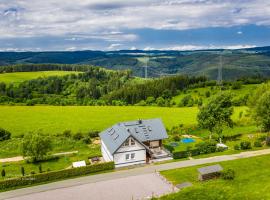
[[120, 155], [105, 153]]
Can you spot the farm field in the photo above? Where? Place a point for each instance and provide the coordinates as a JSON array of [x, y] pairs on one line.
[[252, 181], [55, 119], [18, 77]]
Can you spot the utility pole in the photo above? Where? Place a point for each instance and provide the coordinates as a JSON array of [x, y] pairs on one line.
[[220, 78], [145, 68]]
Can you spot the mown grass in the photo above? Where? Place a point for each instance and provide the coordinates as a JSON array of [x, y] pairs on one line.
[[252, 181], [18, 77], [55, 119]]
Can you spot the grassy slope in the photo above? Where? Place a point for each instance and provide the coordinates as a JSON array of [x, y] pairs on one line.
[[252, 181], [200, 92], [18, 77], [55, 119]]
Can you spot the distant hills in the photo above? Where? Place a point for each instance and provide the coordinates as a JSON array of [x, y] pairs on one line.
[[235, 63]]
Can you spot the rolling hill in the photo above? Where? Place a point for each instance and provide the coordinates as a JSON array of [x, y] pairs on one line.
[[236, 63]]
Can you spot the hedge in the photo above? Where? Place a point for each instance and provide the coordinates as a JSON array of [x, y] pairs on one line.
[[55, 175]]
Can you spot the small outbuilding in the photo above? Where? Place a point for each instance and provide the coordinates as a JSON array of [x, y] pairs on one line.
[[209, 172]]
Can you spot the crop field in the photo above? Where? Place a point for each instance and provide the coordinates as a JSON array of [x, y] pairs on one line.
[[252, 181], [56, 119], [18, 77]]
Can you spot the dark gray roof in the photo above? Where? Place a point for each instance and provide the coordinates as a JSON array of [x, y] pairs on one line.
[[210, 169], [141, 130]]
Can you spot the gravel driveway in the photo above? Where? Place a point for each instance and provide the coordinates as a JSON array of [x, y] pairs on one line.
[[133, 187]]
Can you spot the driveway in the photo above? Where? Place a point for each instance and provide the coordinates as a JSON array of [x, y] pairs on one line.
[[133, 187], [119, 179]]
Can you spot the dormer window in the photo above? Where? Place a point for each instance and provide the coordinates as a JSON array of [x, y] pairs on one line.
[[132, 142], [129, 142]]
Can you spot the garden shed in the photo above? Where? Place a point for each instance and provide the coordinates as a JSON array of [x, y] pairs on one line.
[[209, 172]]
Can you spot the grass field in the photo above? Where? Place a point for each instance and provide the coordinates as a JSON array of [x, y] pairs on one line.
[[252, 181], [56, 119], [18, 77], [200, 92]]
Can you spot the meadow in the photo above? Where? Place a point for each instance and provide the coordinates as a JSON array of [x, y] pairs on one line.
[[55, 119], [18, 77], [251, 181]]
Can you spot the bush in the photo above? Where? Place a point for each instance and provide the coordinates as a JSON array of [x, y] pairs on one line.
[[267, 141], [245, 145], [180, 154], [257, 143], [207, 147], [93, 134], [194, 152], [237, 147], [176, 138], [67, 133], [78, 136], [87, 140], [4, 134], [168, 147], [228, 174], [55, 175]]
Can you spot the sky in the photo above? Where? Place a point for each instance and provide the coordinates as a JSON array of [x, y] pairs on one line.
[[70, 25]]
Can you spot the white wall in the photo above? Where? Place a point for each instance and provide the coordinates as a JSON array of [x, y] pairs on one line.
[[120, 155], [105, 153]]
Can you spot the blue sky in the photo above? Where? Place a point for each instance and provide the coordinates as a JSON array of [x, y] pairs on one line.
[[50, 25]]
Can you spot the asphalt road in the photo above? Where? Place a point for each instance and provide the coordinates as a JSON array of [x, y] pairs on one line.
[[97, 181]]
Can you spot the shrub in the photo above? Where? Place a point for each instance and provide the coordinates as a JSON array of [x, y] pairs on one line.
[[245, 145], [3, 173], [55, 175], [180, 154], [87, 140], [194, 152], [206, 147], [4, 134], [67, 133], [93, 134], [237, 147], [176, 138], [168, 147], [267, 141], [78, 136], [257, 143], [228, 174]]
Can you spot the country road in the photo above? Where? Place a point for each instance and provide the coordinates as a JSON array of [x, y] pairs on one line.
[[136, 183]]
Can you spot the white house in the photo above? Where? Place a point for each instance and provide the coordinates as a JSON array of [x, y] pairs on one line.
[[135, 142]]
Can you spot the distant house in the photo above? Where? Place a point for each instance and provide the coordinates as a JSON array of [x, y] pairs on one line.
[[134, 142]]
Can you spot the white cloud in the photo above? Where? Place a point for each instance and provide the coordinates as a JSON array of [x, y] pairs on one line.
[[114, 46], [239, 32], [199, 47], [68, 17]]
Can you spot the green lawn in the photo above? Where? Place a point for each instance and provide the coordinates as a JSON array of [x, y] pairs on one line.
[[18, 77], [252, 181], [55, 119]]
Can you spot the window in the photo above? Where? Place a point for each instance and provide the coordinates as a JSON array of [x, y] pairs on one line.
[[132, 142], [126, 144], [127, 156], [132, 156]]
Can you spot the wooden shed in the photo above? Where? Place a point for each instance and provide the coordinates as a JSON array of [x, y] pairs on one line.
[[209, 172]]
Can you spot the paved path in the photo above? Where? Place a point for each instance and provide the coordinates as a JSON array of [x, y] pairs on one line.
[[20, 158], [80, 182]]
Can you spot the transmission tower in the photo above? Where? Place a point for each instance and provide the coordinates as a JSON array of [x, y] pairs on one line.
[[220, 78]]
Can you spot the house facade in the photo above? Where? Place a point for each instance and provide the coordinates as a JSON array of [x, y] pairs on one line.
[[135, 142]]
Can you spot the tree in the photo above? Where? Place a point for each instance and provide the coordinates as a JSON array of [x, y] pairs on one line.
[[216, 114], [261, 112], [4, 134], [36, 146]]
